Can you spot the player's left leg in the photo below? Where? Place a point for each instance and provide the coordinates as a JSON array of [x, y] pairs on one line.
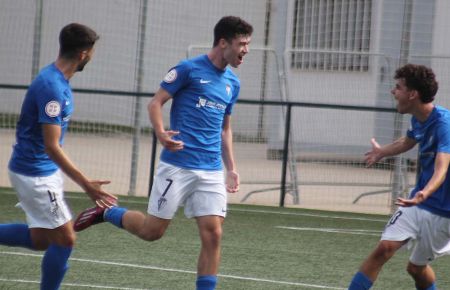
[[59, 242], [210, 230], [208, 204], [423, 276]]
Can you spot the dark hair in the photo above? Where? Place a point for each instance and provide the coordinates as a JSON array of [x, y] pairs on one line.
[[230, 27], [75, 38], [419, 78]]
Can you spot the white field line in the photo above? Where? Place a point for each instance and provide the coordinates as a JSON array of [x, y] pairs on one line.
[[68, 284], [338, 231], [309, 286], [259, 211]]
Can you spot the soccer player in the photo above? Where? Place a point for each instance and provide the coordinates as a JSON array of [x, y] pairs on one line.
[[203, 91], [38, 159], [423, 220]]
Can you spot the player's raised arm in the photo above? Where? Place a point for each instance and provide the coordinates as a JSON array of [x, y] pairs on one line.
[[378, 152]]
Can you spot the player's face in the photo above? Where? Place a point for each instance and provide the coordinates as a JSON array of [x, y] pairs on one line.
[[404, 96], [85, 58], [235, 50]]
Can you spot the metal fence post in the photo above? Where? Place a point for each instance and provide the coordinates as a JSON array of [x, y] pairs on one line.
[[287, 130]]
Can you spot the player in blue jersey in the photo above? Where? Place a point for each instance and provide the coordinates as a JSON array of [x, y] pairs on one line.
[[203, 92], [423, 221], [38, 159]]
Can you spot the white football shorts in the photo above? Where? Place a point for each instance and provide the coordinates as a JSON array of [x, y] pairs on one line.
[[42, 199], [428, 234], [201, 192]]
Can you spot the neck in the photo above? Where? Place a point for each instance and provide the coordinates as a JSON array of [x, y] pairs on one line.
[[215, 55], [67, 67], [423, 112]]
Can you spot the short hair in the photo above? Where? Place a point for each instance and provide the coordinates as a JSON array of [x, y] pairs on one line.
[[419, 78], [230, 27], [75, 38]]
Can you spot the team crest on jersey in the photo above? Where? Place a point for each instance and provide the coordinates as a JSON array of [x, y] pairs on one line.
[[52, 109], [228, 89], [171, 76]]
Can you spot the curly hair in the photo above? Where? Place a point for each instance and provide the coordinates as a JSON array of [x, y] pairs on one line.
[[419, 78]]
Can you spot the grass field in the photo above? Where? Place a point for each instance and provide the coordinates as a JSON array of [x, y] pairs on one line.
[[265, 248]]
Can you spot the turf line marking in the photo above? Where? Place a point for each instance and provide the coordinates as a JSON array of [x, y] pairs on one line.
[[311, 215], [181, 271], [68, 284], [338, 231], [258, 211]]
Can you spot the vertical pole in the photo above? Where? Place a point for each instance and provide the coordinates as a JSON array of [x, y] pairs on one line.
[[139, 88], [37, 39], [152, 162], [287, 130], [260, 134]]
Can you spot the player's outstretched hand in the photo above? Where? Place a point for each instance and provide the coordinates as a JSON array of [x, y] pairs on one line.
[[165, 138], [418, 198], [232, 181], [374, 155], [101, 198]]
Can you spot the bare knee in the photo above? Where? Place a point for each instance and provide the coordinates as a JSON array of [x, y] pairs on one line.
[[152, 228], [385, 250], [43, 239], [212, 236], [151, 235], [415, 271]]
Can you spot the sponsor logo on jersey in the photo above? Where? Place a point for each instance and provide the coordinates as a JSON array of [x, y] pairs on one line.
[[171, 76], [202, 102], [52, 109]]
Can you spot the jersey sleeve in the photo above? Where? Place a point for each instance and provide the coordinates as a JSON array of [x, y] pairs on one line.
[[234, 98], [176, 78], [49, 104], [443, 135], [410, 131]]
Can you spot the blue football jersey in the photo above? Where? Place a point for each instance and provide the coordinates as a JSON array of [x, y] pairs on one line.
[[202, 95], [47, 101], [433, 137]]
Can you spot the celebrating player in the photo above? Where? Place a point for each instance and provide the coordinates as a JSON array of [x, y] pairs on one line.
[[203, 91], [423, 220], [38, 159]]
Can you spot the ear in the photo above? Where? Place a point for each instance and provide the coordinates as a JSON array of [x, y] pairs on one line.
[[82, 55], [414, 95], [223, 43]]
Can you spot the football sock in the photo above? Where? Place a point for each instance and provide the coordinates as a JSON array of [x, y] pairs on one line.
[[114, 215], [360, 282], [432, 287], [54, 266], [206, 282], [16, 235]]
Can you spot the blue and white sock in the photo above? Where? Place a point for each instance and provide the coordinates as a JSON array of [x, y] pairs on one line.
[[114, 215], [360, 282], [207, 282], [16, 235], [54, 266]]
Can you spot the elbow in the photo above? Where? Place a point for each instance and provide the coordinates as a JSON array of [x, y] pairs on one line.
[[51, 151]]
